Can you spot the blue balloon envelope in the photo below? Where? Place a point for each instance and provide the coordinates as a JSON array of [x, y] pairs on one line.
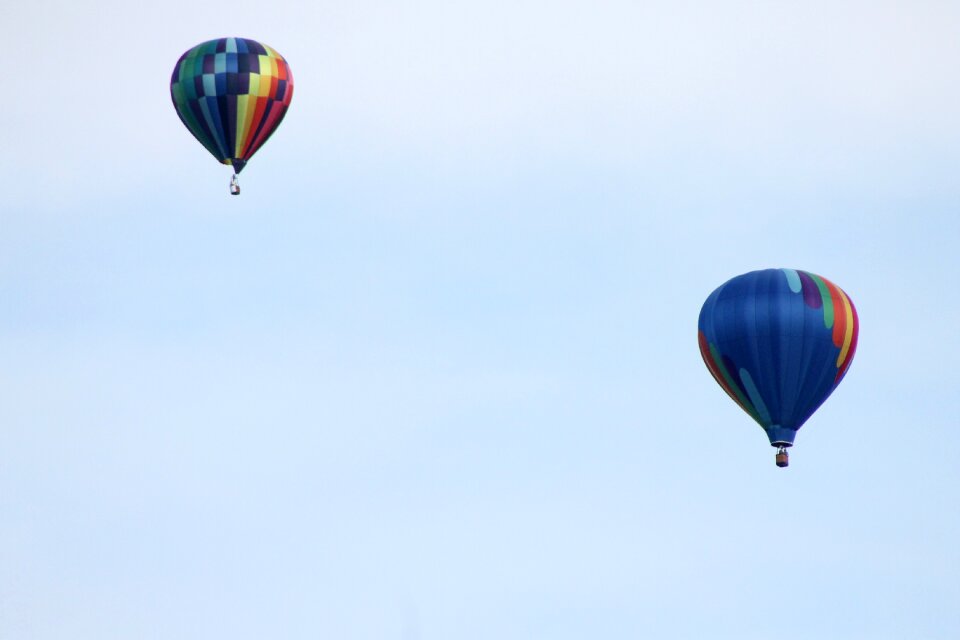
[[778, 341]]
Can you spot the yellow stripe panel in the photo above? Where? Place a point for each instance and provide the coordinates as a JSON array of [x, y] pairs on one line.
[[242, 106], [248, 125], [266, 67]]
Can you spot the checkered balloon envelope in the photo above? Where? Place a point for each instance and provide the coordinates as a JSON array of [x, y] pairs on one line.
[[231, 94]]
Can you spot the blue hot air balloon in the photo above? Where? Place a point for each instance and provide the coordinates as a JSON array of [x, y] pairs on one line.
[[778, 341]]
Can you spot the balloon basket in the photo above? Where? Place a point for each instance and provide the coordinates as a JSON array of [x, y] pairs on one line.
[[783, 459], [234, 185]]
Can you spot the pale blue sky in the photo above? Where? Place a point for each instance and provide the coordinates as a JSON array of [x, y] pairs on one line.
[[434, 375]]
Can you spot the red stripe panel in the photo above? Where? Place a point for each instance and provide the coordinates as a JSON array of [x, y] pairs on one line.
[[276, 111], [853, 342], [839, 313]]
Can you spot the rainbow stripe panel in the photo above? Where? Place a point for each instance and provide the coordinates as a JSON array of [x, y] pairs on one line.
[[231, 94], [778, 341]]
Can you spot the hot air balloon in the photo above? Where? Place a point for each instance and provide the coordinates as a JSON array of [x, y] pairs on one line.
[[778, 341], [231, 94]]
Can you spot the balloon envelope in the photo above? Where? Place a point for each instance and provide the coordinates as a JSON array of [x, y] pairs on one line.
[[778, 341], [231, 94]]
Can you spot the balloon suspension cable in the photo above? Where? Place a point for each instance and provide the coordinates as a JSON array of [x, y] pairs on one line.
[[234, 185], [783, 458]]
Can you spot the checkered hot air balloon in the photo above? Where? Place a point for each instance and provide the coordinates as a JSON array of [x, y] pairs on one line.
[[231, 94], [778, 341]]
